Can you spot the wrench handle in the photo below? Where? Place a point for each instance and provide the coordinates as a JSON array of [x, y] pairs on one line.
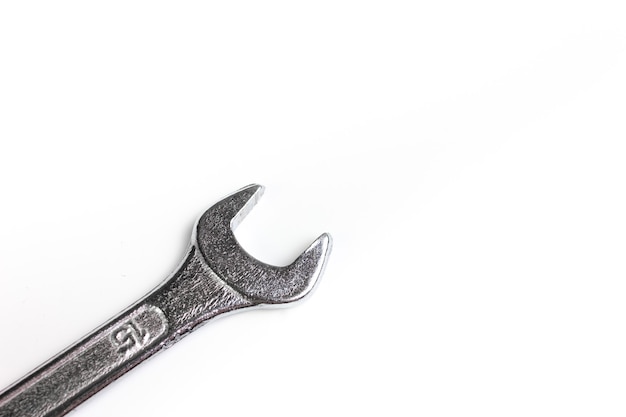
[[83, 369], [188, 298]]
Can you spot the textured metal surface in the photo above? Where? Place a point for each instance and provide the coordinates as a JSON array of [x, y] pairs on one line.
[[215, 277]]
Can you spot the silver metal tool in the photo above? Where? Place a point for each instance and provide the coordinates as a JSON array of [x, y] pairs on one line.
[[216, 276]]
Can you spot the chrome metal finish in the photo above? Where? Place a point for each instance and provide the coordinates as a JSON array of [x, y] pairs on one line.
[[216, 276]]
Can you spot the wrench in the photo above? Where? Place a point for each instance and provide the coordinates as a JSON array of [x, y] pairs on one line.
[[216, 276]]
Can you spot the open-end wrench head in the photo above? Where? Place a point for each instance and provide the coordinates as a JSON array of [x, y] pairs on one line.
[[258, 281]]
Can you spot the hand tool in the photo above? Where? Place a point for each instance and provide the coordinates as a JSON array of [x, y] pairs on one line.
[[216, 276]]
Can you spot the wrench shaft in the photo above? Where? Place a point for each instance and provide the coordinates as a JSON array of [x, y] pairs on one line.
[[189, 297], [80, 371]]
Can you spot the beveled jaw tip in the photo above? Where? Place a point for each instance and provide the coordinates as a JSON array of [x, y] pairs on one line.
[[241, 202], [310, 266]]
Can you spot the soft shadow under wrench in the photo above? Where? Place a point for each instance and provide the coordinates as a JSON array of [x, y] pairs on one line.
[[216, 276]]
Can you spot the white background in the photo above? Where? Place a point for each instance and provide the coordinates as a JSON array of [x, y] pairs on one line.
[[467, 157]]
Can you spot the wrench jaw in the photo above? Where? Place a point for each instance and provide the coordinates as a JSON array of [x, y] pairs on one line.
[[304, 273], [259, 282]]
